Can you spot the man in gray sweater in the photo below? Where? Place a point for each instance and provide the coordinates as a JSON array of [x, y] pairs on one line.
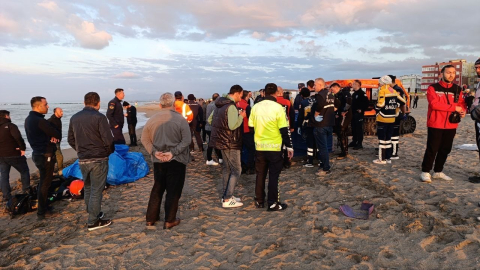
[[167, 137]]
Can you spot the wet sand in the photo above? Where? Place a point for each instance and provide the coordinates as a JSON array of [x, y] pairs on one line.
[[415, 225]]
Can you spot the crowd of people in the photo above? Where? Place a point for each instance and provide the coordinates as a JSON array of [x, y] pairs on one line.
[[251, 136], [91, 134]]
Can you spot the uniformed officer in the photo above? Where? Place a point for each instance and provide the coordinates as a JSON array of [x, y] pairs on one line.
[[398, 119], [115, 116]]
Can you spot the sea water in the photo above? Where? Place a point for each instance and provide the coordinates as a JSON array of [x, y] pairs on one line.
[[20, 111]]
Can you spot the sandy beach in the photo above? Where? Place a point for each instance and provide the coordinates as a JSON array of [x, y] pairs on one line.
[[414, 226]]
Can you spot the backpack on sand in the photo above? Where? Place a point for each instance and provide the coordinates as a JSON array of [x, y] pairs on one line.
[[19, 204]]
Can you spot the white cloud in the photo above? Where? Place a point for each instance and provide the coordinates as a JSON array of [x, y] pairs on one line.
[[126, 75], [88, 36]]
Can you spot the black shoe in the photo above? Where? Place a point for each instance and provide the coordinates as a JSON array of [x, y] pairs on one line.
[[101, 215], [259, 205], [342, 156], [358, 147], [352, 144], [277, 206], [99, 224], [474, 179]]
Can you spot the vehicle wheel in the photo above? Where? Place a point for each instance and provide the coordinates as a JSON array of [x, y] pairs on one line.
[[408, 125], [370, 127]]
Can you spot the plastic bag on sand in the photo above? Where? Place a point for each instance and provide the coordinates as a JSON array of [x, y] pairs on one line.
[[365, 211], [123, 167]]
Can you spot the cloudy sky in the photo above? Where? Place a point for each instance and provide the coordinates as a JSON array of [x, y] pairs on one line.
[[62, 49]]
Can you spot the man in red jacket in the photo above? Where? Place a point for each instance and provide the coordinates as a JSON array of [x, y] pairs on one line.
[[444, 99]]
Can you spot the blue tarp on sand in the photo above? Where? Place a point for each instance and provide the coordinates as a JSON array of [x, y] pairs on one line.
[[123, 167]]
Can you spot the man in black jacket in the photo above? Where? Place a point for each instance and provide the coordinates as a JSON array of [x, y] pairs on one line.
[[115, 116], [42, 136], [56, 120], [12, 154], [323, 121], [131, 122], [359, 106], [90, 136], [194, 125]]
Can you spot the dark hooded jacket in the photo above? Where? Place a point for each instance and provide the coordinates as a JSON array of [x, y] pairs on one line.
[[11, 141]]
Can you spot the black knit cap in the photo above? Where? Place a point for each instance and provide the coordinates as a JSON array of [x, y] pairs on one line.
[[191, 97], [125, 103], [477, 62], [392, 77], [178, 94]]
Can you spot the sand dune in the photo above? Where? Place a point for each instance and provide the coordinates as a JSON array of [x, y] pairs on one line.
[[415, 225]]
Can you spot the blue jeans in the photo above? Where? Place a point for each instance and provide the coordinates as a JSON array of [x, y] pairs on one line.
[[20, 164], [321, 138], [94, 177], [231, 170]]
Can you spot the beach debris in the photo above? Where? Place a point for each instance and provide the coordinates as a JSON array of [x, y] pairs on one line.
[[364, 212]]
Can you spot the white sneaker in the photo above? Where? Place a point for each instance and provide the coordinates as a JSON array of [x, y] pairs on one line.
[[231, 203], [395, 157], [212, 162], [378, 161], [220, 161], [425, 176], [235, 198], [388, 161], [441, 175]]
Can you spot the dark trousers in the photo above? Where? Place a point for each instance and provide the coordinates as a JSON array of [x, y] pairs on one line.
[[94, 177], [210, 150], [203, 131], [341, 128], [439, 145], [198, 138], [249, 150], [132, 133], [384, 133], [45, 164], [415, 105], [169, 177], [20, 164], [118, 135], [323, 137], [271, 162], [396, 136], [311, 149], [357, 128], [477, 136]]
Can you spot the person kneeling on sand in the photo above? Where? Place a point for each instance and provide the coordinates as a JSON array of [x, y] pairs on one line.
[[444, 100], [167, 137], [271, 132], [89, 134]]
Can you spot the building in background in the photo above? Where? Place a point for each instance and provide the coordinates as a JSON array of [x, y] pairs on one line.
[[414, 82], [464, 70]]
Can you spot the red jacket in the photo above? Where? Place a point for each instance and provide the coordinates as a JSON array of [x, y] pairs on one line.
[[439, 109], [286, 104], [243, 104]]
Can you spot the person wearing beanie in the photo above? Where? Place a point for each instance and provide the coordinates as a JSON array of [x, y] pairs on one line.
[[131, 122], [182, 108], [444, 100], [398, 119], [387, 110], [476, 179], [196, 123]]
